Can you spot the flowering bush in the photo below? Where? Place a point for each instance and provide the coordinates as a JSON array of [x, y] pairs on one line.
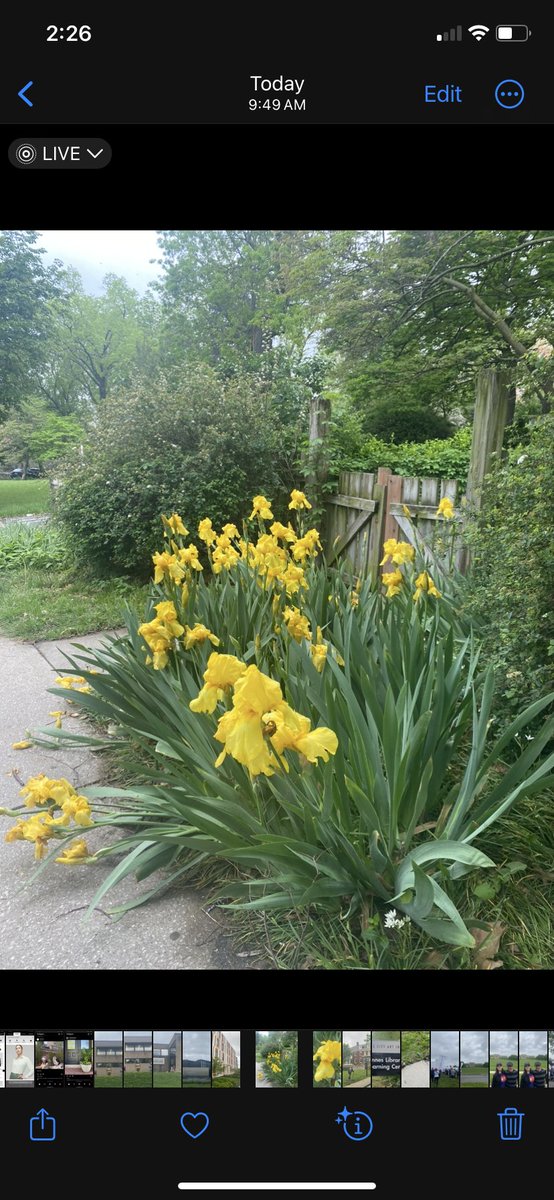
[[328, 738]]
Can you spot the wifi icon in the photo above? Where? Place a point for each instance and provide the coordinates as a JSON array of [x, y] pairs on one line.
[[478, 31]]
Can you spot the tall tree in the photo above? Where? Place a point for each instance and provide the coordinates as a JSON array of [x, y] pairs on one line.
[[26, 287], [99, 341], [223, 294], [415, 313]]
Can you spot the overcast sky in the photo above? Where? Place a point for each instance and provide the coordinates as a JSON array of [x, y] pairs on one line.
[[197, 1043], [109, 1035], [351, 1036], [474, 1046], [532, 1042], [163, 1037], [444, 1048], [95, 253], [503, 1042]]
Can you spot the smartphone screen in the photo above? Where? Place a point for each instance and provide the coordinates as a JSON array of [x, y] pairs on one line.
[[79, 1059], [276, 629], [49, 1059], [20, 1062]]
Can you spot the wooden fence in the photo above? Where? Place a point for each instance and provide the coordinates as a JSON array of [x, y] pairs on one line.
[[367, 510]]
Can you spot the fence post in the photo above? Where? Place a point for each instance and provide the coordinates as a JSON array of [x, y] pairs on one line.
[[393, 493], [318, 465], [489, 423], [492, 412]]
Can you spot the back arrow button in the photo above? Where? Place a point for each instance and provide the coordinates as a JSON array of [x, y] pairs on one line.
[[22, 95]]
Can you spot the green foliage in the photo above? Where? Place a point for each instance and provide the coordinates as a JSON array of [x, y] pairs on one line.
[[31, 546], [189, 443], [224, 295], [413, 314], [512, 572], [391, 820], [415, 1046], [38, 435], [407, 423], [445, 459], [26, 287]]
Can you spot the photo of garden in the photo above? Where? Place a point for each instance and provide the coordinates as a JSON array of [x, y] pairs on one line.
[[356, 1058], [504, 1058], [276, 621], [474, 1058], [385, 1058], [327, 1058], [445, 1058], [415, 1058], [276, 1058]]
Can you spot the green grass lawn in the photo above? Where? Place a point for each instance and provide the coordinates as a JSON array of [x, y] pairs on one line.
[[138, 1079], [167, 1079], [37, 604], [21, 496], [227, 1081], [385, 1081], [475, 1069], [445, 1081], [357, 1074], [105, 1081]]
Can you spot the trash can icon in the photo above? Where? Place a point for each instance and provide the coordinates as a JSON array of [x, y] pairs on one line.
[[510, 1125]]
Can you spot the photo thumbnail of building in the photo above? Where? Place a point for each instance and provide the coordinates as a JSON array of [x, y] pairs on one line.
[[108, 1058], [137, 1058], [225, 1058], [166, 1060], [197, 1057]]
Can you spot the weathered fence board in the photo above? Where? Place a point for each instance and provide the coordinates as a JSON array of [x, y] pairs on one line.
[[369, 509]]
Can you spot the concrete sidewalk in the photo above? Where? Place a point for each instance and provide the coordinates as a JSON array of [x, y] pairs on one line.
[[41, 927]]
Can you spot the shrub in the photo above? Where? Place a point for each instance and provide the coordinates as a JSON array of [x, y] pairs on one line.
[[37, 546], [187, 443], [407, 422], [512, 573], [445, 459]]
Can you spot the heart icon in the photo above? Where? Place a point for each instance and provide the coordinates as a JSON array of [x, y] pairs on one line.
[[202, 1117]]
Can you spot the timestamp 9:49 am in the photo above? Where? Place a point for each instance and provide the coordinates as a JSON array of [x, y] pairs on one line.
[[275, 103]]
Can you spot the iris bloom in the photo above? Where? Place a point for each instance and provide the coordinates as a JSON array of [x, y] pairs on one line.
[[446, 509], [199, 633], [298, 500], [222, 672], [74, 854], [261, 508]]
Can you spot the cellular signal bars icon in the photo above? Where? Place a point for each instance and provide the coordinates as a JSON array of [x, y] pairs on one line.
[[455, 35]]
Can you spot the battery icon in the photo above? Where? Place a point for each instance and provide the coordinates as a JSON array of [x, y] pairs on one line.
[[512, 33]]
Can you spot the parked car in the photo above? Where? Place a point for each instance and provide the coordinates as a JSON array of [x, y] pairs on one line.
[[31, 473]]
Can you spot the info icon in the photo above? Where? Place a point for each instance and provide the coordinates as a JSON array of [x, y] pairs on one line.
[[357, 1125]]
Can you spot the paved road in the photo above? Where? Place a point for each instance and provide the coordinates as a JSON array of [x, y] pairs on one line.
[[416, 1075], [42, 927]]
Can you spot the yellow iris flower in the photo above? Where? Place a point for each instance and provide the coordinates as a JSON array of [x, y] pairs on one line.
[[446, 509], [223, 671], [298, 500]]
